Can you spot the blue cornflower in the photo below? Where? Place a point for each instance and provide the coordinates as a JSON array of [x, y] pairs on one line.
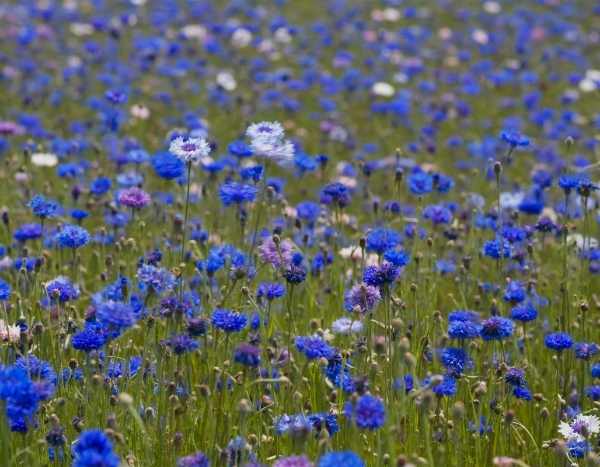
[[595, 370], [463, 315], [79, 214], [569, 182], [341, 458], [524, 312], [295, 274], [314, 347], [247, 354], [420, 182], [115, 314], [21, 397], [41, 373], [308, 211], [62, 289], [5, 290], [578, 448], [437, 214], [446, 388], [362, 297], [167, 165], [28, 232], [368, 412], [463, 330], [254, 173], [237, 193], [197, 459], [515, 292], [522, 392], [380, 240], [593, 392], [157, 279], [379, 276], [496, 249], [514, 138], [496, 328], [239, 149], [515, 376], [94, 449], [181, 343], [270, 291], [337, 194], [398, 258], [100, 186], [455, 360], [73, 236], [558, 341], [42, 207], [229, 321], [92, 337], [585, 350]]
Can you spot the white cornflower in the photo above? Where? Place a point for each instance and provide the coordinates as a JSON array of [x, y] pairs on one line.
[[346, 326], [189, 149], [266, 132], [9, 333], [280, 152], [44, 159], [580, 428]]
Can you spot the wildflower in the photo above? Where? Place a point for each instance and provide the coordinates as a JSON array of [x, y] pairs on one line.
[[496, 249], [229, 321], [42, 207], [314, 347], [368, 412], [21, 398], [198, 459], [463, 330], [341, 458], [134, 198], [558, 341], [168, 166], [73, 236], [237, 193], [41, 373], [446, 387], [92, 337], [455, 360], [28, 232], [115, 314], [585, 350], [437, 214], [62, 290], [381, 240], [420, 183], [496, 328], [277, 254], [270, 291], [94, 449], [265, 131], [247, 354], [9, 333], [337, 194], [189, 150], [398, 258], [346, 326], [379, 276], [593, 392], [515, 292], [579, 428], [514, 138], [524, 312], [181, 344], [5, 290], [293, 461], [362, 297], [157, 279], [578, 448], [522, 392]]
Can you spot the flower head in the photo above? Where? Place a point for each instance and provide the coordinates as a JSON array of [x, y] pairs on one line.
[[189, 150]]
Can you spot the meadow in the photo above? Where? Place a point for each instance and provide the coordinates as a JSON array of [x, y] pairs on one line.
[[299, 233]]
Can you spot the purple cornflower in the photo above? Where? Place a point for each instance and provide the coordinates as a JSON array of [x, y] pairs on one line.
[[277, 254], [134, 198], [496, 328], [181, 344], [193, 460], [362, 297]]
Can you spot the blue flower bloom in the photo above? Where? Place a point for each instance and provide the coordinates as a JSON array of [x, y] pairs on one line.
[[92, 337], [524, 312], [420, 183], [558, 341], [496, 328], [337, 194], [237, 193], [42, 207], [229, 321], [314, 347], [380, 240], [5, 290], [73, 236], [368, 412], [341, 458], [94, 449]]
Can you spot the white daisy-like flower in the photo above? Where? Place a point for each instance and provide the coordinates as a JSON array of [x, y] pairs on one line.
[[383, 89], [44, 159], [190, 150], [280, 152], [346, 326], [580, 428], [9, 333], [265, 132]]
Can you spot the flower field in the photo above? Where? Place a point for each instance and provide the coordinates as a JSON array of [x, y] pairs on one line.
[[299, 234]]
